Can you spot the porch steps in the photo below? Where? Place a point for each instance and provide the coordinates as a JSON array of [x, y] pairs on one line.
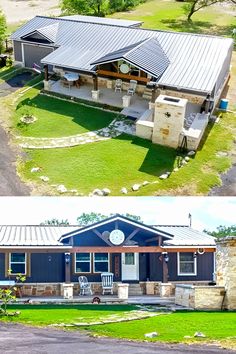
[[135, 290], [147, 94]]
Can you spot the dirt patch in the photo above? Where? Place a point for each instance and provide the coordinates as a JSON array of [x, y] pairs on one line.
[[22, 10]]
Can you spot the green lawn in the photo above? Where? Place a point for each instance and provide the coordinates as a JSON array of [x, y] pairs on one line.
[[57, 118], [169, 15], [173, 327], [126, 160], [42, 315]]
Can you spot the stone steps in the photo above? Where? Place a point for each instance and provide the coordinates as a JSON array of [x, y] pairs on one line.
[[147, 94], [135, 290]]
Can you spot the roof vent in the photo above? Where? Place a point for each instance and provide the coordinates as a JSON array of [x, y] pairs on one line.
[[170, 99]]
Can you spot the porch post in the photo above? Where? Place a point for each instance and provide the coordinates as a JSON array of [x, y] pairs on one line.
[[164, 270], [95, 82], [67, 267], [154, 90], [46, 72]]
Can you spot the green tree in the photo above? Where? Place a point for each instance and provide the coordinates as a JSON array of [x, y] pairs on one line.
[[3, 29], [90, 218], [8, 295], [56, 222], [84, 7], [222, 231], [192, 6]]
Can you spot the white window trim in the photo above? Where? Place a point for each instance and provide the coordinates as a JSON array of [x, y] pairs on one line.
[[108, 261], [25, 263], [90, 259], [186, 274]]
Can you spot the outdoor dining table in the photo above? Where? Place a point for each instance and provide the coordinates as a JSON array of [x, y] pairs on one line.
[[71, 78]]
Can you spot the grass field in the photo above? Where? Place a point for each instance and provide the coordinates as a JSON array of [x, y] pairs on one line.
[[43, 315], [169, 15], [57, 118], [218, 327], [126, 160]]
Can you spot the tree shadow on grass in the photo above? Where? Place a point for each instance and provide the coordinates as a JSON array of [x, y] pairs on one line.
[[198, 27], [89, 118], [158, 159]]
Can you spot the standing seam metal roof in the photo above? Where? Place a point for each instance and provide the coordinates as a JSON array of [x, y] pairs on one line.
[[195, 60]]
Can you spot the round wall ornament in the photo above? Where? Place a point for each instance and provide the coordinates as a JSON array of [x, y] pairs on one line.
[[124, 68], [117, 237]]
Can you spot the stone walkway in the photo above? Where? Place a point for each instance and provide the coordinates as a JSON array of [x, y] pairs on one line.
[[116, 128]]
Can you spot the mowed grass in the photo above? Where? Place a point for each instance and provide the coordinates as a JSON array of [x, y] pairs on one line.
[[126, 160], [57, 118], [41, 315], [216, 326], [169, 15]]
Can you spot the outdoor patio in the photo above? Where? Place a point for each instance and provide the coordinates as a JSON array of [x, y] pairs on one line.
[[107, 96]]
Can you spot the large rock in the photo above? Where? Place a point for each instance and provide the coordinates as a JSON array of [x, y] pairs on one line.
[[135, 187], [106, 191], [165, 175], [44, 178], [61, 188], [151, 335], [98, 192], [124, 190]]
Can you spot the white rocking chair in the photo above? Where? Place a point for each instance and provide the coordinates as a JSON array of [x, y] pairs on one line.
[[118, 85], [85, 286], [107, 283], [132, 87]]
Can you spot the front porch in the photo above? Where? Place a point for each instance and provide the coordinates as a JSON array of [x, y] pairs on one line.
[[107, 96]]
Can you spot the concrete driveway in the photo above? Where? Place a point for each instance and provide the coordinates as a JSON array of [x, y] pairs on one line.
[[15, 338], [10, 184]]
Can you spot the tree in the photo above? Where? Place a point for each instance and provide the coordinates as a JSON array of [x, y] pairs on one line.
[[8, 295], [90, 218], [222, 231], [3, 29], [56, 222], [192, 6], [84, 7]]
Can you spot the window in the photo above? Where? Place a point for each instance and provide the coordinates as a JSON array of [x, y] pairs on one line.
[[187, 264], [17, 263], [101, 262], [82, 263], [129, 259]]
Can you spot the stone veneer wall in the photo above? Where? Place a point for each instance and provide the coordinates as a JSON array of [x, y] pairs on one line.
[[199, 297], [197, 99], [226, 269]]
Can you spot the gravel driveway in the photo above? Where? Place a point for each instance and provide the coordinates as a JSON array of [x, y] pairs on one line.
[[10, 184], [15, 338]]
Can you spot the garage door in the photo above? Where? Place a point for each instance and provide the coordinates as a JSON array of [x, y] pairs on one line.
[[34, 54]]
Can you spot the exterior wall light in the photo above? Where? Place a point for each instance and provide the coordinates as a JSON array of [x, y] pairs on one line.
[[166, 257], [67, 258]]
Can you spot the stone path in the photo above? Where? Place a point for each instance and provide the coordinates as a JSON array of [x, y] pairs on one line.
[[116, 128]]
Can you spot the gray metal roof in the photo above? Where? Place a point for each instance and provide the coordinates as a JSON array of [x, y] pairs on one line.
[[186, 236], [137, 54], [21, 235], [40, 235], [104, 20], [195, 60]]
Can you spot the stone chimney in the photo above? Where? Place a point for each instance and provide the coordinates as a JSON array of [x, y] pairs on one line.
[[226, 269], [169, 117]]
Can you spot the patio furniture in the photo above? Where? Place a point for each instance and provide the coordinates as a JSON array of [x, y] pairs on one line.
[[85, 286], [107, 282], [118, 85], [69, 79], [132, 87]]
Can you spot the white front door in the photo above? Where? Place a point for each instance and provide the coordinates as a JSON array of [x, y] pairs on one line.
[[130, 266]]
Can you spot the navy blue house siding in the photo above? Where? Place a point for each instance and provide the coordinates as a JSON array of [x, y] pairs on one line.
[[205, 268], [47, 267], [2, 266]]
